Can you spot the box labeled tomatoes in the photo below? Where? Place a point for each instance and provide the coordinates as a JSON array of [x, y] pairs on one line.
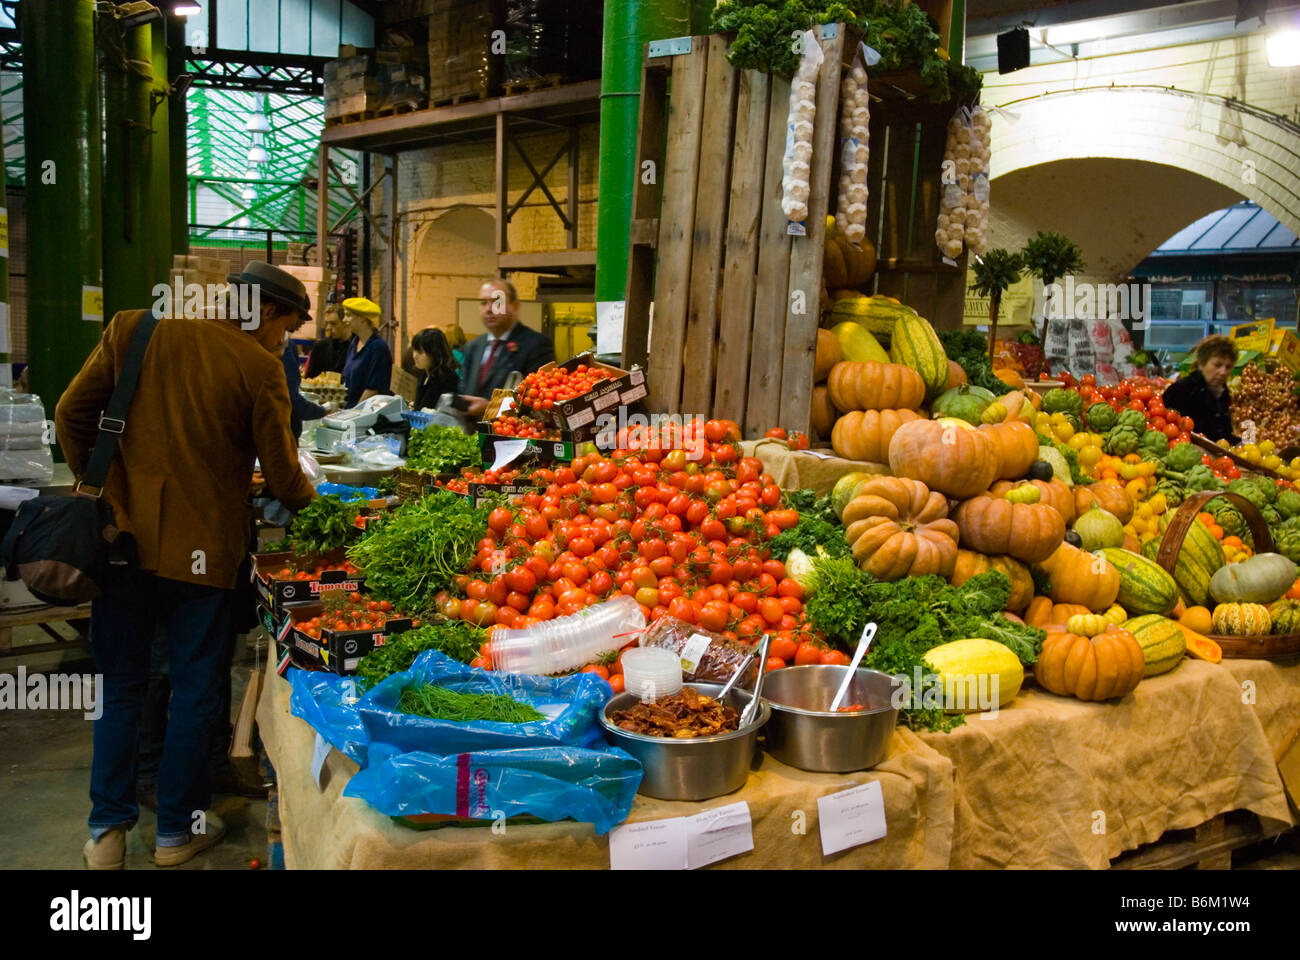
[[315, 644], [281, 577], [492, 445], [572, 395]]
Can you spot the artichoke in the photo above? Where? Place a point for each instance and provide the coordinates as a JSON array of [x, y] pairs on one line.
[[1229, 518], [1102, 417], [1201, 477], [1250, 490], [1153, 441], [1286, 541], [1063, 401], [1173, 492], [1183, 456], [1134, 419], [1121, 441], [1288, 504]]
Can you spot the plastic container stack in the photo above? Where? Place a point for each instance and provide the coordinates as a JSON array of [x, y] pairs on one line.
[[25, 456], [568, 643], [652, 672]]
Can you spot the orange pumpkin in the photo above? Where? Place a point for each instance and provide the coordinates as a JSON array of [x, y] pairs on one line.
[[1109, 496], [1016, 446], [1052, 492], [1043, 613], [828, 354], [1026, 531], [956, 375], [899, 528], [1081, 577], [970, 564], [868, 385], [953, 458], [865, 434], [1010, 377], [823, 412], [1090, 668]]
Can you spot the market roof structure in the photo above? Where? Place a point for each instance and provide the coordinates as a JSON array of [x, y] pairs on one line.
[[1242, 228]]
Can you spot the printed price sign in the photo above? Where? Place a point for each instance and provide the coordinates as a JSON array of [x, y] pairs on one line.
[[851, 817], [683, 843], [92, 304]]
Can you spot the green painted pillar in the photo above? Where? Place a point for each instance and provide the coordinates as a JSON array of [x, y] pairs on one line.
[[629, 25], [6, 371], [177, 120], [61, 105], [129, 265], [159, 199], [701, 14]]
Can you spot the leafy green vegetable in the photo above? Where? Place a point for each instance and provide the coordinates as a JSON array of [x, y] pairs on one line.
[[457, 639], [1058, 400], [969, 348], [1155, 442], [1121, 441], [913, 616], [416, 550], [387, 484], [437, 449], [817, 532], [440, 703], [1183, 456], [1101, 417], [325, 524], [1201, 477]]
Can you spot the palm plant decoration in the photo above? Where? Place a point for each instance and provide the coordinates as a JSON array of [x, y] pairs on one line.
[[995, 271], [1050, 256]]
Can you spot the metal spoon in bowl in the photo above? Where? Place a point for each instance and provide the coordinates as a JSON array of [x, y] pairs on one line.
[[868, 632], [740, 672], [751, 708]]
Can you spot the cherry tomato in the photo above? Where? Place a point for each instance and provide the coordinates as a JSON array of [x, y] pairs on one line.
[[597, 669], [836, 658], [808, 653]]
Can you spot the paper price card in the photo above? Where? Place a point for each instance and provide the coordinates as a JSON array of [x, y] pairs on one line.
[[683, 843], [4, 233], [92, 304], [851, 817], [655, 845], [318, 755], [508, 451]]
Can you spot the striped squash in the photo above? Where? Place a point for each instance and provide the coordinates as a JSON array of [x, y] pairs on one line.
[[1198, 558], [1162, 641], [1242, 619], [878, 313], [915, 344], [1144, 586]]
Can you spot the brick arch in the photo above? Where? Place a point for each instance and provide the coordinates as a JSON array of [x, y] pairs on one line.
[[1219, 139]]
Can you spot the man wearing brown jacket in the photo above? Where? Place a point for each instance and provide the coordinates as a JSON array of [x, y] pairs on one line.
[[211, 397]]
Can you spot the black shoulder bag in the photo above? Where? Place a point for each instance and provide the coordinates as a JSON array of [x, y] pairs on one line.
[[63, 546]]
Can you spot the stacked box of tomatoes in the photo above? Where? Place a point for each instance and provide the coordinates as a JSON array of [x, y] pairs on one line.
[[479, 485], [572, 395], [544, 443], [337, 630], [281, 577], [674, 517]]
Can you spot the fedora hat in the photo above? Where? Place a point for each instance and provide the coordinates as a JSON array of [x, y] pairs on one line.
[[280, 285]]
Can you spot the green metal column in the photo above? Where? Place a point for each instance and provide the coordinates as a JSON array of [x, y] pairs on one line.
[[129, 266], [61, 104], [158, 198], [629, 25], [177, 119], [7, 320]]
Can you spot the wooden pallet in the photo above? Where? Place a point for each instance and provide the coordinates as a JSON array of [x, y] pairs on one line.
[[1207, 847], [396, 109], [736, 297], [463, 96], [529, 84], [351, 118]]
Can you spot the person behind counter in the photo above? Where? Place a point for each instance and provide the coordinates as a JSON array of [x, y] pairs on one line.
[[330, 352], [438, 372], [508, 346], [456, 339], [1203, 393], [368, 370]]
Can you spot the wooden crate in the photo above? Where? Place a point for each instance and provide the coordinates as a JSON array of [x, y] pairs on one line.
[[908, 133], [735, 297]]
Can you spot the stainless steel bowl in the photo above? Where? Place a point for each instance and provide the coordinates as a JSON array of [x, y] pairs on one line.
[[690, 769], [802, 733]]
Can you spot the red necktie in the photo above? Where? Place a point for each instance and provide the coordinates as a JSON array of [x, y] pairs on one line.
[[485, 368]]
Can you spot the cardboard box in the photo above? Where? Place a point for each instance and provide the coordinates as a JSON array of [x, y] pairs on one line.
[[274, 594], [582, 415], [536, 451], [338, 651], [351, 86], [1288, 351]]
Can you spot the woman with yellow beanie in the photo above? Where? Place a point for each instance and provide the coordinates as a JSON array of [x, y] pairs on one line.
[[368, 369]]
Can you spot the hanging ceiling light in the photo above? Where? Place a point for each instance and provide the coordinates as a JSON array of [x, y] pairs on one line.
[[257, 123], [1284, 48], [259, 154], [248, 193], [185, 8]]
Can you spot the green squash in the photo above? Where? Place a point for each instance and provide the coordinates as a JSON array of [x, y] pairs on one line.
[[964, 402], [1098, 528], [1261, 579]]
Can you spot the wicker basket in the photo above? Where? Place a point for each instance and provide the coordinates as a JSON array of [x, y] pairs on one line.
[[1270, 646]]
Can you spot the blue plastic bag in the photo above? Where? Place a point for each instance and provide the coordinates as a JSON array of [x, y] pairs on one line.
[[569, 703], [329, 705], [346, 492], [550, 783]]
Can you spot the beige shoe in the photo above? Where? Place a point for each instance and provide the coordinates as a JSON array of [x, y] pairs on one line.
[[174, 856], [106, 853]]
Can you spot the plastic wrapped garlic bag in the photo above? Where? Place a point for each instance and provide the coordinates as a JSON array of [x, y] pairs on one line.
[[855, 119], [802, 113], [964, 199]]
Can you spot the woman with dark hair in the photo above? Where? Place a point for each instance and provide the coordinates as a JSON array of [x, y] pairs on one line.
[[1203, 393], [438, 372]]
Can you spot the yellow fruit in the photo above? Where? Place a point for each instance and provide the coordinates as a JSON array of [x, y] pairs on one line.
[[1225, 444], [1089, 457], [1272, 461], [1295, 463], [1064, 432], [1136, 489], [1267, 447], [1146, 469], [1079, 441], [1128, 471], [1158, 504]]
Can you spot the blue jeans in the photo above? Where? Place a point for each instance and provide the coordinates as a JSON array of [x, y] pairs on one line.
[[196, 620]]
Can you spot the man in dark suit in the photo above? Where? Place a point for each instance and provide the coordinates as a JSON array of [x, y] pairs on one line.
[[507, 346]]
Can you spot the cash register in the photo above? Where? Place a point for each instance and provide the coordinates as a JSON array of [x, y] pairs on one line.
[[381, 414]]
